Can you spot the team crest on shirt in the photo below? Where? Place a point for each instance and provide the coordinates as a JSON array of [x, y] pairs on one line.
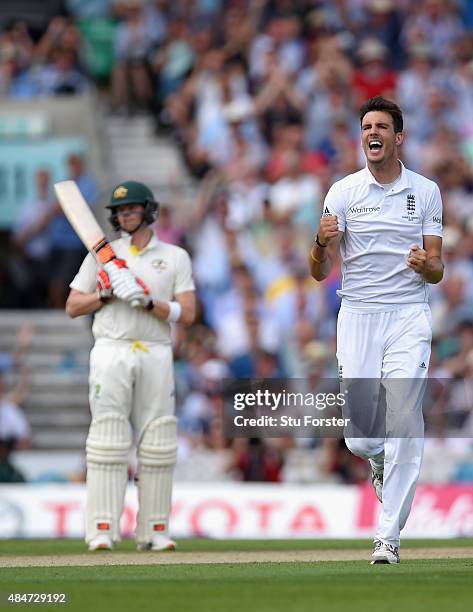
[[159, 264], [411, 208], [411, 203]]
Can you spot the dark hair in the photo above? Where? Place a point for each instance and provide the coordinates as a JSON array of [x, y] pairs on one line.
[[381, 104]]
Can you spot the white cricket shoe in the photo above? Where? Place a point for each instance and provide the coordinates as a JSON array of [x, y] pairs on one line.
[[377, 482], [158, 543], [385, 553], [101, 542]]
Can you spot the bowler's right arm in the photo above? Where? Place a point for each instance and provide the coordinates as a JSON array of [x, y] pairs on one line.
[[321, 258]]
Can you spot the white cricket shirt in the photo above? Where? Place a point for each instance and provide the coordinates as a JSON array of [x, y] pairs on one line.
[[165, 268], [379, 226]]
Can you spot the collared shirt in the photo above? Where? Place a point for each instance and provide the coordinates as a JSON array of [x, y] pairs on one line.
[[165, 269], [380, 224]]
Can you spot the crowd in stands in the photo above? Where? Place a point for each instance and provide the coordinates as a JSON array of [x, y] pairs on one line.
[[262, 98], [46, 251], [15, 431]]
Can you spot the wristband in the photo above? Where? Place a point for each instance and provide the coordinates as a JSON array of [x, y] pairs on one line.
[[324, 246], [104, 299], [150, 305], [175, 310]]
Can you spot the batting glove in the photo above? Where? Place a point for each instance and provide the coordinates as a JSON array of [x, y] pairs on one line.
[[124, 284], [103, 285], [128, 290], [146, 302]]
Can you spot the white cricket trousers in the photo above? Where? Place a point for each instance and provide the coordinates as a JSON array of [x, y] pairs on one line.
[[385, 347], [135, 379]]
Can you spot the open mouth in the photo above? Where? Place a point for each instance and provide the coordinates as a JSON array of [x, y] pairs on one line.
[[375, 145]]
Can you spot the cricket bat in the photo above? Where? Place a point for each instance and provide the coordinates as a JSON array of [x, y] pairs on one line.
[[83, 221]]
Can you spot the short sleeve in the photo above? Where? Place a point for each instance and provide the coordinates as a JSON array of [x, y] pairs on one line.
[[184, 280], [13, 422], [335, 205], [86, 279], [432, 222]]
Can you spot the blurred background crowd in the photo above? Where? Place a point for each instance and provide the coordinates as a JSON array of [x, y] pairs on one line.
[[261, 100]]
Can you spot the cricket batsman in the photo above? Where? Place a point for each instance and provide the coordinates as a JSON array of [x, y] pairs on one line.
[[134, 298], [386, 221]]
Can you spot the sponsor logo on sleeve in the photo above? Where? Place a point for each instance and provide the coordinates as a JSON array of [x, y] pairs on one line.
[[437, 219]]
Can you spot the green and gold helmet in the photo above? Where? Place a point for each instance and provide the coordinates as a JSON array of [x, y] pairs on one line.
[[133, 192]]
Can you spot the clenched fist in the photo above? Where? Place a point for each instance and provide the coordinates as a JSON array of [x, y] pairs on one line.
[[328, 229], [417, 258]]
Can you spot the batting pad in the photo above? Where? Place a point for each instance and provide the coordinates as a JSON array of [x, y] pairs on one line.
[[157, 453], [108, 444]]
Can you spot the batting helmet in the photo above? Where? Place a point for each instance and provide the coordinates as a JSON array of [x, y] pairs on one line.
[[133, 192]]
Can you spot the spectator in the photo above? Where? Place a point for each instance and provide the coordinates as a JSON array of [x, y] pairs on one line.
[[16, 48], [31, 238], [419, 75], [67, 250], [435, 23], [384, 18], [173, 60], [136, 36], [60, 34], [165, 227], [296, 197], [61, 75], [256, 460], [373, 78], [15, 432]]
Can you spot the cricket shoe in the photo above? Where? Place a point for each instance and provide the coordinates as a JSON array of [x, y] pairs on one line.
[[101, 542], [377, 482], [158, 543], [385, 553]]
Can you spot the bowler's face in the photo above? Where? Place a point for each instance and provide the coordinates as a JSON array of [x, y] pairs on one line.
[[378, 138]]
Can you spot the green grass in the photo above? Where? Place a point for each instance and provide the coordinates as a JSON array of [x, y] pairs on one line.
[[420, 586], [70, 547]]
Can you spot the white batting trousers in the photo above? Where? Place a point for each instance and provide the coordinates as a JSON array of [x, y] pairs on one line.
[[130, 382], [135, 379], [392, 349]]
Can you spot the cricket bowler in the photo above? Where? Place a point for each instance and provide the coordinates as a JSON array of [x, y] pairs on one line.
[[134, 298], [386, 221]]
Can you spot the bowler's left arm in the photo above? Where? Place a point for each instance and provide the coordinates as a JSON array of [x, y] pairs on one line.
[[427, 260]]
